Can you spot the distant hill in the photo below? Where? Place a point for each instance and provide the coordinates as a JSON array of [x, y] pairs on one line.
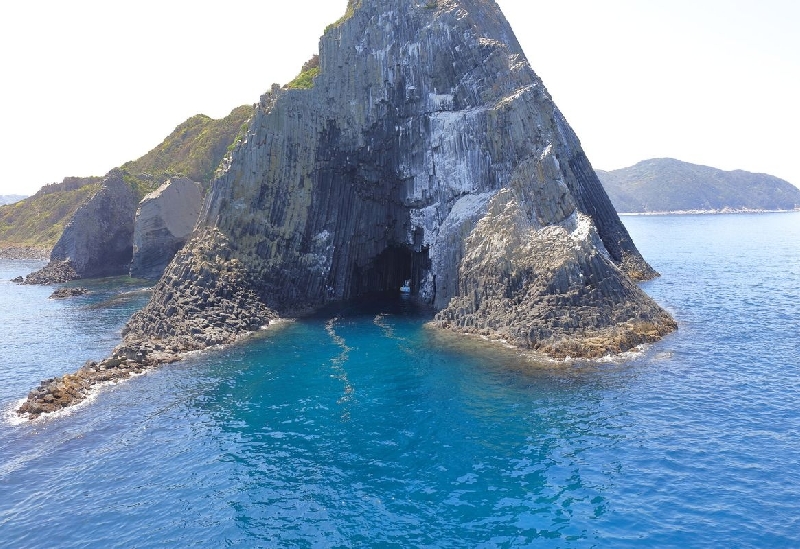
[[194, 149], [10, 198], [667, 185], [39, 220]]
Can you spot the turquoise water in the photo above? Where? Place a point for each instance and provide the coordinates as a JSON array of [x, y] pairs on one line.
[[362, 428]]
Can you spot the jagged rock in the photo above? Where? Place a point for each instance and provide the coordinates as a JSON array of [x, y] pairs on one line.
[[63, 293], [18, 280], [426, 150], [164, 220], [55, 272], [98, 239], [204, 298]]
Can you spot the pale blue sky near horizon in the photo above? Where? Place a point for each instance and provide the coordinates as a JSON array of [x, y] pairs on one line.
[[88, 85]]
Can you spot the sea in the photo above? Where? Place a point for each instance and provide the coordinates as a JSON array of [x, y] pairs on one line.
[[362, 427]]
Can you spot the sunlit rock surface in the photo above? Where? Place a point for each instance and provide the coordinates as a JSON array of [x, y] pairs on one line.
[[428, 151], [164, 220]]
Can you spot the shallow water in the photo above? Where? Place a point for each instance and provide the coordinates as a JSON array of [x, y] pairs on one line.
[[361, 427]]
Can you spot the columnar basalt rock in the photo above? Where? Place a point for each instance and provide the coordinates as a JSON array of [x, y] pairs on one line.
[[98, 240], [164, 220], [427, 150], [424, 127], [421, 116]]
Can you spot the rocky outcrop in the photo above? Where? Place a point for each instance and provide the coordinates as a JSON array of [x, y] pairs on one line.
[[64, 293], [98, 240], [55, 272], [204, 299], [164, 221], [424, 148], [423, 121], [535, 274]]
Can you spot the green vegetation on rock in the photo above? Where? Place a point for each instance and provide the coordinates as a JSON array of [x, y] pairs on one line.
[[194, 149], [304, 80], [39, 220], [352, 5]]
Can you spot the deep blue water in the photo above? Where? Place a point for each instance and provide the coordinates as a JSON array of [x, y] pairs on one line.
[[362, 428]]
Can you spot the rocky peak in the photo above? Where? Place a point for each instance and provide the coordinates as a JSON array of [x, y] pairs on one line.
[[417, 106], [424, 125], [424, 149], [164, 220]]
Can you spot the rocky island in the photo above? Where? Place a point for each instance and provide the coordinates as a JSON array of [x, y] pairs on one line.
[[666, 185], [419, 146]]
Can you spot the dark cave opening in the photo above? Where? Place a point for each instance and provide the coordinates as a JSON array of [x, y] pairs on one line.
[[394, 268]]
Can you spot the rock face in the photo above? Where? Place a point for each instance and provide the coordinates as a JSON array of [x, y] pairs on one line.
[[426, 150], [666, 185], [97, 241], [55, 272], [164, 221]]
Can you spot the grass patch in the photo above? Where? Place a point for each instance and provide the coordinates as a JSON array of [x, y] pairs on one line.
[[304, 80], [352, 5]]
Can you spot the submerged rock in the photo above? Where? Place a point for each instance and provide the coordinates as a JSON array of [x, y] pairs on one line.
[[64, 293], [422, 148], [164, 220]]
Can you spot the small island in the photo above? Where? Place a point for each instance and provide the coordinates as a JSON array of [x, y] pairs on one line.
[[666, 185], [464, 183]]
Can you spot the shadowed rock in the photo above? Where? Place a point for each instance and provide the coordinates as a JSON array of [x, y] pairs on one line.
[[425, 150], [98, 240]]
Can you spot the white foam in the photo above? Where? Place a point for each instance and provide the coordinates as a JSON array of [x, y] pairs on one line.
[[11, 416]]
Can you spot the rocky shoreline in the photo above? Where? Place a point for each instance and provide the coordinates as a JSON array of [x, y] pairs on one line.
[[55, 272], [18, 253], [163, 333]]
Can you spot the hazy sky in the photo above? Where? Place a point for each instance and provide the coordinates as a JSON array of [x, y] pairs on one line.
[[88, 85]]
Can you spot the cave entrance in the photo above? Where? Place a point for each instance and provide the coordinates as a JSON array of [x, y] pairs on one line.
[[398, 269]]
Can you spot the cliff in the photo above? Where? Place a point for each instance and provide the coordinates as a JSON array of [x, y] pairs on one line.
[[662, 185], [421, 146], [33, 226], [424, 128], [97, 241], [164, 220]]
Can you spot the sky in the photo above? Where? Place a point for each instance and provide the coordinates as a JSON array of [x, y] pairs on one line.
[[88, 85]]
